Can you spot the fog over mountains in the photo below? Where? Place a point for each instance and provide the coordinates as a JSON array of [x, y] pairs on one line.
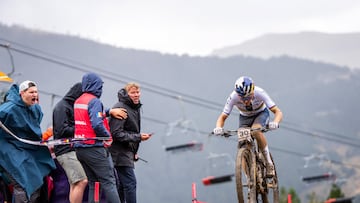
[[182, 97], [340, 49]]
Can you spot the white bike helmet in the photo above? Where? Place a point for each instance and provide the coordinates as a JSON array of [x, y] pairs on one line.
[[244, 86]]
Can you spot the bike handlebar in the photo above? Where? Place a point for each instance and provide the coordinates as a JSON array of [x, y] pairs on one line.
[[228, 133]]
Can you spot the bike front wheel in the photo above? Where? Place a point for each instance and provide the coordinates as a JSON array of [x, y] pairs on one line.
[[245, 176]]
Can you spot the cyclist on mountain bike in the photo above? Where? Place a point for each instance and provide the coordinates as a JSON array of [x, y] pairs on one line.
[[254, 104]]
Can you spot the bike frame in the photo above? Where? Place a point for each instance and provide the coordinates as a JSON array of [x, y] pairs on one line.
[[251, 163]]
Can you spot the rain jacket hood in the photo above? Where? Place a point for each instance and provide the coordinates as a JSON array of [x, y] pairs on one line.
[[92, 83], [74, 93]]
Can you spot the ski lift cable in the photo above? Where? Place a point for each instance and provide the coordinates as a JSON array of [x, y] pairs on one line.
[[101, 70], [115, 77], [321, 136], [337, 135]]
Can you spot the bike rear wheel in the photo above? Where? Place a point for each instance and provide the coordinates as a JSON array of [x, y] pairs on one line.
[[270, 192], [245, 176], [273, 186]]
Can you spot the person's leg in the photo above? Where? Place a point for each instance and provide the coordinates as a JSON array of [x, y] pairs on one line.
[[76, 176], [128, 179], [262, 120], [19, 194], [106, 177], [77, 191], [97, 160], [263, 146], [85, 155], [119, 185]]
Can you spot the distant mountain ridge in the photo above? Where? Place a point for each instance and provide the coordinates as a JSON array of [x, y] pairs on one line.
[[340, 49]]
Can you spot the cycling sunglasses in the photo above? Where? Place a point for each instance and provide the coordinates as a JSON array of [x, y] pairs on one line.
[[247, 98]]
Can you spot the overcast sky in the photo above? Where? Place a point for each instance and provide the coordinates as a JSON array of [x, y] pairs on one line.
[[194, 27]]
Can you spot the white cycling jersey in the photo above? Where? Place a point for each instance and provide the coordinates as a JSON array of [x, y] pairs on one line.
[[260, 101]]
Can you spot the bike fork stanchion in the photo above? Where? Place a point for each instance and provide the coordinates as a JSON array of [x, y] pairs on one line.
[[96, 192]]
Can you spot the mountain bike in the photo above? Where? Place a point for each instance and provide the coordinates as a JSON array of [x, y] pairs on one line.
[[252, 184]]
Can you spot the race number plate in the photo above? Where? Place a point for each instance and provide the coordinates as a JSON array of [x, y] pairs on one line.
[[244, 134]]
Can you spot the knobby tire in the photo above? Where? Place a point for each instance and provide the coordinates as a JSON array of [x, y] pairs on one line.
[[246, 188], [272, 187], [244, 169]]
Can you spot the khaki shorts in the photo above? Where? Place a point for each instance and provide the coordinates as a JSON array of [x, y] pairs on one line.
[[72, 167]]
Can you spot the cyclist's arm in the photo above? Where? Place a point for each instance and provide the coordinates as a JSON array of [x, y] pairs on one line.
[[230, 101], [221, 120], [277, 114]]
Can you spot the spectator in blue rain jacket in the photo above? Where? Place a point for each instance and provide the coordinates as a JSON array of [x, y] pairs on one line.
[[25, 165]]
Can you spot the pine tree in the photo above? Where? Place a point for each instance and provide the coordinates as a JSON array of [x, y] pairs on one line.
[[335, 192]]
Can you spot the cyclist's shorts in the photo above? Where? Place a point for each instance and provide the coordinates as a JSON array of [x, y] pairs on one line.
[[261, 118]]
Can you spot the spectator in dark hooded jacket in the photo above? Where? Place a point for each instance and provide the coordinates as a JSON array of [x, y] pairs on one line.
[[64, 127], [127, 137]]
